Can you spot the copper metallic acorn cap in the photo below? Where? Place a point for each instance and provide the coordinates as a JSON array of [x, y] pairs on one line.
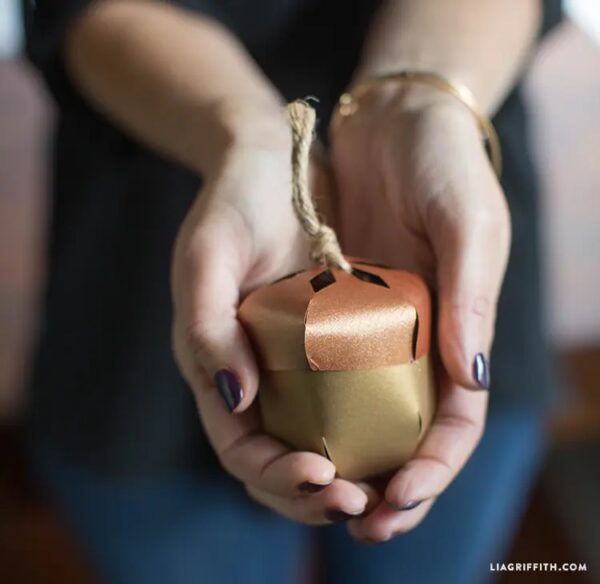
[[329, 320]]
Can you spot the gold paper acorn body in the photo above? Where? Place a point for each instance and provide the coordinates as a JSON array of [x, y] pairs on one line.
[[345, 367]]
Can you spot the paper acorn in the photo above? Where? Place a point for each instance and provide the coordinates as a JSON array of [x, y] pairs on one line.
[[344, 356]]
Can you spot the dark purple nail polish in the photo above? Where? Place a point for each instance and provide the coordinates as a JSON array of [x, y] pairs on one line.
[[407, 507], [481, 371], [229, 387], [336, 515], [311, 487], [410, 505]]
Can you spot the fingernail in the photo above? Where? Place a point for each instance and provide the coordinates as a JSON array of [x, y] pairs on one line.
[[481, 371], [336, 515], [308, 487], [229, 387], [408, 507]]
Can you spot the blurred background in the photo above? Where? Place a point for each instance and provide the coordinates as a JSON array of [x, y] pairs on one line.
[[562, 523]]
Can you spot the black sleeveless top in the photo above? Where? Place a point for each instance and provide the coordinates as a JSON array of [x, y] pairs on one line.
[[105, 389]]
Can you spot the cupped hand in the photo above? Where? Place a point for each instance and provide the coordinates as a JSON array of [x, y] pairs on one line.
[[239, 234], [416, 191]]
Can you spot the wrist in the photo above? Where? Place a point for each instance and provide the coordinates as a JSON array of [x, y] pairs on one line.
[[417, 95], [416, 98], [243, 124], [389, 101]]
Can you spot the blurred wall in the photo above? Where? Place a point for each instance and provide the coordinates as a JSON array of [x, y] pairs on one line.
[[564, 89], [25, 119], [11, 31]]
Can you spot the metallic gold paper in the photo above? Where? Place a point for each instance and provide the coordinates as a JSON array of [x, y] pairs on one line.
[[345, 365]]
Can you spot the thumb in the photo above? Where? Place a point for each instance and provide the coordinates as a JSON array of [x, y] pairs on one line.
[[471, 244], [209, 340]]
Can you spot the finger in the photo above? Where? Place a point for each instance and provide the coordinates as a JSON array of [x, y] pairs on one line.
[[218, 363], [384, 522], [262, 462], [470, 233], [255, 458], [449, 442], [340, 501], [249, 454], [210, 269]]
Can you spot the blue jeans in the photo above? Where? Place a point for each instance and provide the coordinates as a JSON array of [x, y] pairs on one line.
[[187, 528]]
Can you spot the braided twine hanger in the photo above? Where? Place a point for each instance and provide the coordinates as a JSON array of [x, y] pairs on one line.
[[325, 248]]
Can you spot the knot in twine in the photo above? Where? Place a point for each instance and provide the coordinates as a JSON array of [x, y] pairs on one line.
[[325, 248]]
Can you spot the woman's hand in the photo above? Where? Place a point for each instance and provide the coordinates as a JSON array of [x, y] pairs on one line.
[[239, 234], [416, 191]]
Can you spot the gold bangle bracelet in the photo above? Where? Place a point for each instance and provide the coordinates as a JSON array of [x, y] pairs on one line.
[[348, 104]]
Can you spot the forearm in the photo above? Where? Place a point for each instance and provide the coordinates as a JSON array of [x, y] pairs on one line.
[[177, 82], [479, 43]]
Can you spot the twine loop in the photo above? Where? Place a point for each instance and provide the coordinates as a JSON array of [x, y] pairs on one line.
[[325, 248]]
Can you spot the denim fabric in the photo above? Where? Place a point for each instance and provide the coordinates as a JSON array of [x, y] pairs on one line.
[[186, 528]]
